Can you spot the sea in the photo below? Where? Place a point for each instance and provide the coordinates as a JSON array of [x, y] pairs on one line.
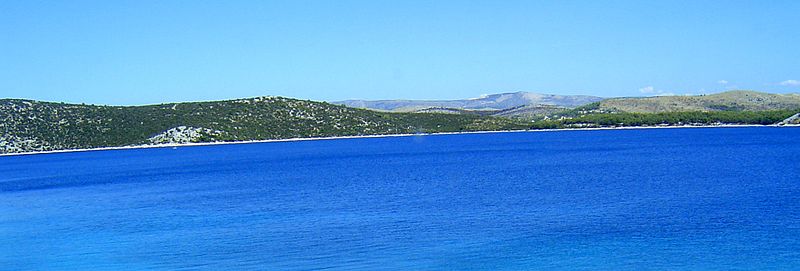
[[638, 199]]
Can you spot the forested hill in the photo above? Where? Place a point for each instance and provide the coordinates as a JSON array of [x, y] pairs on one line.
[[35, 126]]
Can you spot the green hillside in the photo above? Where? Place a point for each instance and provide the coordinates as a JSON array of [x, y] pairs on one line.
[[36, 126], [726, 101], [33, 126]]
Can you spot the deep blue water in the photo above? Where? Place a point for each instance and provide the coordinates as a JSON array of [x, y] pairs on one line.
[[659, 199]]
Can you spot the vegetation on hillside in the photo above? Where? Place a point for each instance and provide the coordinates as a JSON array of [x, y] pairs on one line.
[[31, 125], [624, 119], [34, 126], [733, 107], [727, 101], [530, 112]]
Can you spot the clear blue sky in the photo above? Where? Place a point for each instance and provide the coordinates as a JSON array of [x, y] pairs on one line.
[[141, 52]]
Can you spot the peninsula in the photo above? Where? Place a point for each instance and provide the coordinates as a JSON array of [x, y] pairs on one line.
[[35, 126]]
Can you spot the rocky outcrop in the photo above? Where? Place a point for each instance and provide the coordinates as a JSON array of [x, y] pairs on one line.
[[184, 134], [795, 119]]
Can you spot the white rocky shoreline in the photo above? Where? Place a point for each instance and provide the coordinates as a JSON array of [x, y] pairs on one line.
[[171, 145]]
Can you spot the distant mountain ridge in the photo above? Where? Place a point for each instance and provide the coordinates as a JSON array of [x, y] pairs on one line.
[[500, 101]]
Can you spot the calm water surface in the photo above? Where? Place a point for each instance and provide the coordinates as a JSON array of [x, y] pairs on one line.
[[660, 199]]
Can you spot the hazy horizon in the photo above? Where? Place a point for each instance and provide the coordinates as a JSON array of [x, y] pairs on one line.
[[391, 99]]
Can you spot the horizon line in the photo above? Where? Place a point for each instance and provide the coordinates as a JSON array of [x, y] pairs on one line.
[[398, 99]]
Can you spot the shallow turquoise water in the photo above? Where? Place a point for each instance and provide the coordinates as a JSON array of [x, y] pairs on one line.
[[659, 199]]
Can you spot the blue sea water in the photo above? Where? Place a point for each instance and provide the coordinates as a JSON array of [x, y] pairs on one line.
[[654, 199]]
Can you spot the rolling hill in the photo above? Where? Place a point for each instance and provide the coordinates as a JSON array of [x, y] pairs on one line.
[[726, 101], [38, 126], [28, 125]]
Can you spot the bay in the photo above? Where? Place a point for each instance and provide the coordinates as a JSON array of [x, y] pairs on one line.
[[643, 199]]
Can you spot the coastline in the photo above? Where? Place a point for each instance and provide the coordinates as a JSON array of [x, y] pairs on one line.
[[172, 145]]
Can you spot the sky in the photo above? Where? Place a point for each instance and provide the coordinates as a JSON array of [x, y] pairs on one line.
[[147, 52]]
